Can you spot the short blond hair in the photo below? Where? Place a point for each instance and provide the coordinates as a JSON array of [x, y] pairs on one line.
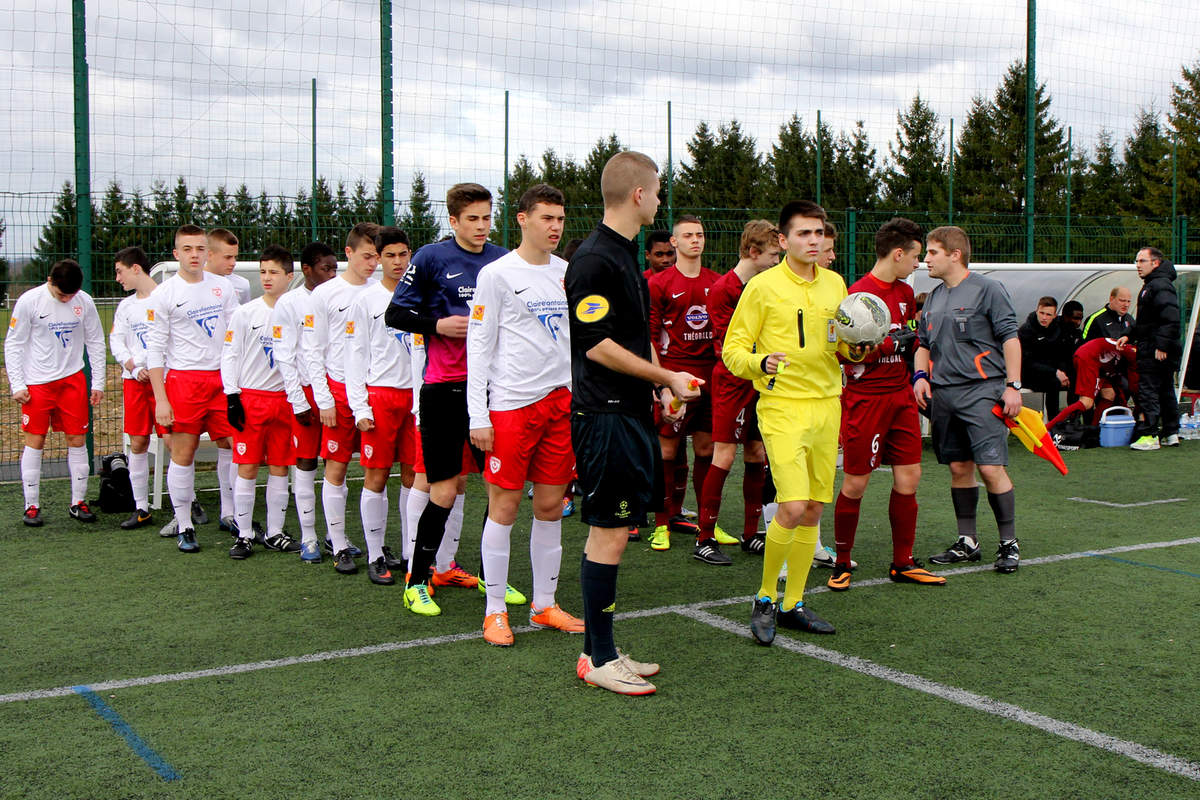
[[952, 238], [623, 173], [758, 233]]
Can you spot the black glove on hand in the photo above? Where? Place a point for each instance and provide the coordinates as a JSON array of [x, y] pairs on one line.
[[235, 411]]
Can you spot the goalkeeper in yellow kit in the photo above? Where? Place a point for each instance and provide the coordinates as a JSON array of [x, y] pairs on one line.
[[782, 337]]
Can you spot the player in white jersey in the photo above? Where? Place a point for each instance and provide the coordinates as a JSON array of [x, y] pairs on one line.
[[189, 313], [519, 403], [325, 356], [379, 389], [49, 329], [222, 259], [292, 318], [127, 341], [258, 408]]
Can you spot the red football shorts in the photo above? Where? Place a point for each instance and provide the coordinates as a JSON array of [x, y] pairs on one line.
[[139, 408], [734, 419], [879, 429], [198, 404], [393, 439], [61, 405], [340, 442], [306, 439], [1088, 382], [532, 443], [698, 415], [267, 438]]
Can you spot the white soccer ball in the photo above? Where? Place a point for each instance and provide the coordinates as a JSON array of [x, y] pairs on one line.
[[862, 318]]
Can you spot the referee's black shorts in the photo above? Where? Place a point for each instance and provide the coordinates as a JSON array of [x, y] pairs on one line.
[[445, 429], [619, 464]]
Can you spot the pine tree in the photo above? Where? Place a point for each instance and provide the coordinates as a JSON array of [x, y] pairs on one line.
[[1185, 123], [419, 221], [915, 178], [853, 180], [57, 239], [791, 165], [111, 229], [4, 265], [589, 176], [521, 177], [1098, 190], [975, 162], [1147, 168], [1049, 146], [182, 206]]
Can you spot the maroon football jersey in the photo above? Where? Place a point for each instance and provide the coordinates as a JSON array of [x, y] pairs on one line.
[[680, 327], [722, 300], [885, 371]]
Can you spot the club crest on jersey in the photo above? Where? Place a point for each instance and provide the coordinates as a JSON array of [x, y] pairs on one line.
[[903, 308], [216, 290], [78, 310], [477, 313], [592, 308], [308, 320], [552, 323], [350, 327], [368, 450], [149, 315], [696, 317], [209, 324], [276, 331], [241, 448]]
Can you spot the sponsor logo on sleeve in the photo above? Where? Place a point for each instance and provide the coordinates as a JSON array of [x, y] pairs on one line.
[[592, 308], [477, 313]]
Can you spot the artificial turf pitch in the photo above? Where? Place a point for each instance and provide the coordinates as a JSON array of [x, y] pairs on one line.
[[1106, 643]]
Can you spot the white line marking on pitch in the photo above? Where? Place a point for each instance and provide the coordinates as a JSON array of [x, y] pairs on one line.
[[1128, 505], [388, 647], [988, 705]]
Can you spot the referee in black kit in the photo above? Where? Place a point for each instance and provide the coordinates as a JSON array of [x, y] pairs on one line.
[[614, 374]]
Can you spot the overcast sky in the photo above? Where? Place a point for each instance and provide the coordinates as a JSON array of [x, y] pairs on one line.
[[219, 90]]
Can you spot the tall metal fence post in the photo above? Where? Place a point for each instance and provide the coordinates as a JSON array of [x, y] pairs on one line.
[[1068, 194], [818, 156], [312, 200], [1174, 199], [670, 174], [1030, 117], [507, 199], [387, 117], [83, 184], [1183, 234], [852, 243], [950, 175]]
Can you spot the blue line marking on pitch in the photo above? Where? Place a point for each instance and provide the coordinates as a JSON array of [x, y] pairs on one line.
[[1151, 566], [156, 762]]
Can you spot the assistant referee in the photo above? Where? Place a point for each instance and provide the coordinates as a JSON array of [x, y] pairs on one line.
[[614, 372]]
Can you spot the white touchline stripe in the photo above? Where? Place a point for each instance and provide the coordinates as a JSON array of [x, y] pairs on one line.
[[1128, 505], [387, 647], [1067, 730]]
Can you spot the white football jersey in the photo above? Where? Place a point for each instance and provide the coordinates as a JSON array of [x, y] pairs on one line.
[[325, 350], [46, 339], [291, 319], [376, 355], [127, 340], [518, 339], [241, 286], [248, 357], [188, 322]]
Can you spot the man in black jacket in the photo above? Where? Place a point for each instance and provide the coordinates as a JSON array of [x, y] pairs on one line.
[[1114, 320], [1156, 334], [1044, 356]]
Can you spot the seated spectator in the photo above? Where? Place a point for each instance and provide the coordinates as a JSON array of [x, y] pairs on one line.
[[1114, 320], [1043, 353], [1106, 369]]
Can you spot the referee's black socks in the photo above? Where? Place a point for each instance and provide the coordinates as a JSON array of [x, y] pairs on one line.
[[431, 527], [599, 583], [965, 502], [1004, 506]]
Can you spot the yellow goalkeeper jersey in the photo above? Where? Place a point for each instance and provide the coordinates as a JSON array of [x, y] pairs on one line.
[[779, 312]]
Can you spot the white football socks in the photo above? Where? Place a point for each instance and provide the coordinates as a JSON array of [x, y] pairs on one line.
[[226, 475], [139, 479], [545, 554], [77, 467], [333, 503], [494, 549], [31, 476], [305, 488], [373, 507], [243, 506], [277, 503], [454, 526], [417, 500], [181, 486]]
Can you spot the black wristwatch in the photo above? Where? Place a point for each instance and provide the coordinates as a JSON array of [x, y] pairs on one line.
[[1014, 385]]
